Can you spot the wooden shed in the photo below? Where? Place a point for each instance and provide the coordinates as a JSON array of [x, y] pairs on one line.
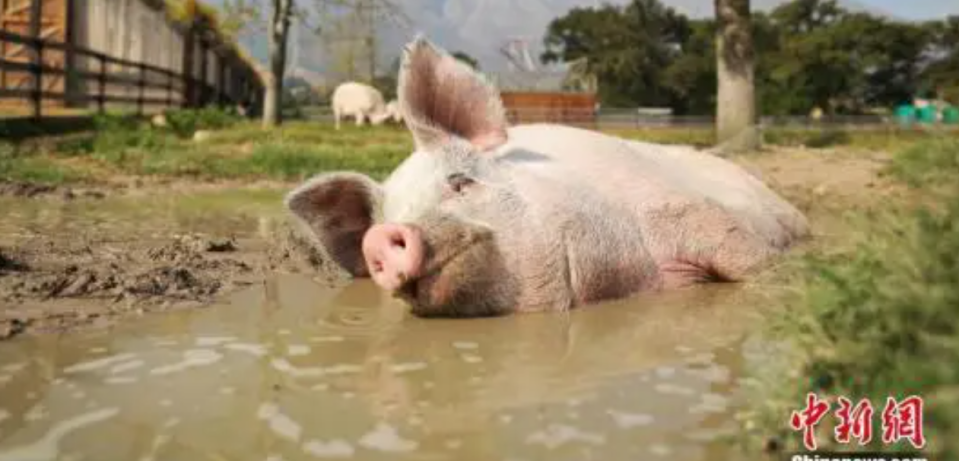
[[121, 50], [15, 17], [551, 107], [543, 96]]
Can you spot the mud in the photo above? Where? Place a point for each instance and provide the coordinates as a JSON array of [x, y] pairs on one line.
[[23, 189], [61, 283]]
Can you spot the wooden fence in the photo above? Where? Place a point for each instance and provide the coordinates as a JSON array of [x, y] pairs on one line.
[[108, 79]]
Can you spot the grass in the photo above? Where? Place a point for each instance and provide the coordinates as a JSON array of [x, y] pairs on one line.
[[16, 165], [125, 146], [880, 319]]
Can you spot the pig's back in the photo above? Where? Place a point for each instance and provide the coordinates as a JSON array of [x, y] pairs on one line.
[[652, 177]]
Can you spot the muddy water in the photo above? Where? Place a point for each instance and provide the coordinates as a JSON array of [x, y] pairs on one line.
[[290, 369]]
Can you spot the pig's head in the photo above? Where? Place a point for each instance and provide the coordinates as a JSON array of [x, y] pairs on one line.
[[449, 230]]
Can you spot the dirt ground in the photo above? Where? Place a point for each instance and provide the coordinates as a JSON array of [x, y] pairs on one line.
[[57, 283]]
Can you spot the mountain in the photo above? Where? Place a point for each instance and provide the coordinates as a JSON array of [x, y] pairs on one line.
[[478, 27]]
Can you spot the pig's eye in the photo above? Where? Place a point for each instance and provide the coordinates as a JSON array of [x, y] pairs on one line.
[[458, 182]]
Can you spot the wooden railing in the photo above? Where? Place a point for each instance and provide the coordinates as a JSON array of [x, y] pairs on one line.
[[108, 75]]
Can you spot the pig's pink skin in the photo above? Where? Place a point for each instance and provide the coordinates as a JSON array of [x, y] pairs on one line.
[[539, 217]]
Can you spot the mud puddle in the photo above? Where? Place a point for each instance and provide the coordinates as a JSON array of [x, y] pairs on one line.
[[289, 369], [90, 262]]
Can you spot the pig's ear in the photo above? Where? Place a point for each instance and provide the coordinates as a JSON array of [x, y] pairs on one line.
[[441, 97], [338, 208]]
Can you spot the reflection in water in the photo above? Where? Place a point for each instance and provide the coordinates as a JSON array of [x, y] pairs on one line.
[[151, 216], [290, 370]]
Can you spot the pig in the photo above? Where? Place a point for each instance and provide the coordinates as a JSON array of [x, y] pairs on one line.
[[486, 219], [360, 101]]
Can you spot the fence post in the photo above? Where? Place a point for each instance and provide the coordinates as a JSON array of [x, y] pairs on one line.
[[220, 80], [203, 71], [36, 16], [141, 84], [72, 84], [169, 88], [101, 82], [188, 47], [38, 80]]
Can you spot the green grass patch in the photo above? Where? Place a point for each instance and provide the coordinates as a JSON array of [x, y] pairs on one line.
[[244, 150], [888, 139], [30, 167], [928, 164], [699, 137], [880, 319], [125, 145]]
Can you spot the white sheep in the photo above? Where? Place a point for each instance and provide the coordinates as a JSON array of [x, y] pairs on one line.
[[359, 100]]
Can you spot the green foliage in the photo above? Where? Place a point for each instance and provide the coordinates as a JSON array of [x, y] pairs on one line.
[[628, 48], [809, 53], [942, 75], [116, 138], [880, 320]]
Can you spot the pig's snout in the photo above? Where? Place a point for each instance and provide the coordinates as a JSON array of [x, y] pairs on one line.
[[394, 254]]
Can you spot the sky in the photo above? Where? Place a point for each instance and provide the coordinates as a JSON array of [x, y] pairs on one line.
[[900, 9], [475, 26], [916, 9]]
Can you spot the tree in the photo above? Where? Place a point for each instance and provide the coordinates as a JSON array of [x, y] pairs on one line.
[[815, 54], [351, 38], [692, 76], [245, 16], [279, 29], [942, 75], [806, 54], [627, 48], [735, 98]]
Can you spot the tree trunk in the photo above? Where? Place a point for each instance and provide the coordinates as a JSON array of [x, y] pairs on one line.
[[736, 100], [279, 32], [370, 26]]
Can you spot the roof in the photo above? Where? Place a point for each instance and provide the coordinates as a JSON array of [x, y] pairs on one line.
[[529, 81], [567, 77]]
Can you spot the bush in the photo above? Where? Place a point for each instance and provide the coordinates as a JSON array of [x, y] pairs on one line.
[[185, 122]]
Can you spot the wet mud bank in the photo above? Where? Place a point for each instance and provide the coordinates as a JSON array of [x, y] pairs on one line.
[[63, 281]]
